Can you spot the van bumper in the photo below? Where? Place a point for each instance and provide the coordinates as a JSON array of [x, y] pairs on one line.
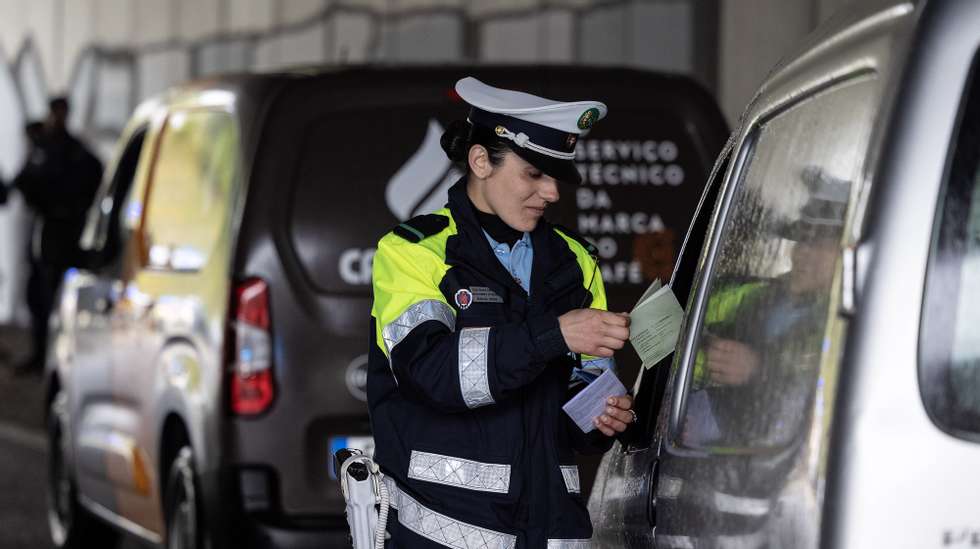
[[262, 535], [233, 527]]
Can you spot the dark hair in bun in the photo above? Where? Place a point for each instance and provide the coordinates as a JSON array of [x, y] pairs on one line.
[[460, 136]]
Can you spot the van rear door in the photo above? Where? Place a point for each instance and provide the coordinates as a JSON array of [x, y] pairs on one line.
[[352, 154]]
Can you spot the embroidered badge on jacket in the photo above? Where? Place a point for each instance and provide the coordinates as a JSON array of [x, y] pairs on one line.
[[464, 298]]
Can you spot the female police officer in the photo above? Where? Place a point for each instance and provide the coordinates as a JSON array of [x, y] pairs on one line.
[[486, 320]]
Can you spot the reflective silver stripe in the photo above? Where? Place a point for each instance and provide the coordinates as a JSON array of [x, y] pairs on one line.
[[442, 529], [676, 542], [473, 381], [669, 487], [569, 543], [463, 473], [425, 310], [570, 474], [727, 503]]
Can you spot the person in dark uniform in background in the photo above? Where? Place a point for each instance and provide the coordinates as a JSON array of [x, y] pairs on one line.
[[58, 182], [486, 320]]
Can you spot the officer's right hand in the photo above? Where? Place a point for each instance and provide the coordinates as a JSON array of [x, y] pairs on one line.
[[594, 332]]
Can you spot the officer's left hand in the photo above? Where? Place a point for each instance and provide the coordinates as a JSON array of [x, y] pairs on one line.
[[617, 417]]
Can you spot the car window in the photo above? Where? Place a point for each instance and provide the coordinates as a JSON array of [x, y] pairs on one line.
[[104, 211], [653, 381], [950, 340], [190, 197], [108, 231], [767, 319]]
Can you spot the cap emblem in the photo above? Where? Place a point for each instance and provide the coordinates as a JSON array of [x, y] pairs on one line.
[[588, 118], [464, 298]]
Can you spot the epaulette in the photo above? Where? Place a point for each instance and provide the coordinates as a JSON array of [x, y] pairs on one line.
[[589, 246], [421, 227]]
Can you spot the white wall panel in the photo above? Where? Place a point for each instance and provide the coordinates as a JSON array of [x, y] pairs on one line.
[[156, 21], [250, 15], [487, 8], [114, 101], [32, 83], [13, 218], [223, 56], [78, 35], [114, 22], [159, 70], [298, 11], [661, 36], [45, 34], [81, 91], [197, 19], [557, 38], [601, 39], [752, 41], [430, 38], [13, 28], [303, 46], [351, 37], [510, 39]]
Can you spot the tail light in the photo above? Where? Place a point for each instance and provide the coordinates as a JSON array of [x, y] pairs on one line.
[[252, 389]]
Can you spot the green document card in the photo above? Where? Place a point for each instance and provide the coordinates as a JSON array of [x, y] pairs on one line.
[[655, 323]]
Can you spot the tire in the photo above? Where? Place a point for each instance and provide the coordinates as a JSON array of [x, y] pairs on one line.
[[71, 525], [182, 509]]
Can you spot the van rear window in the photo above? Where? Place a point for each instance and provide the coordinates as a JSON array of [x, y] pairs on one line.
[[367, 163], [950, 339]]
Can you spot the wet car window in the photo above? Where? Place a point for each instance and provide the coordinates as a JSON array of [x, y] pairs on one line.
[[768, 317], [190, 195], [653, 381], [950, 340]]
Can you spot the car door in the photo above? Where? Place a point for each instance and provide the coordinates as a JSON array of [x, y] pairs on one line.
[[626, 517], [168, 324], [742, 462], [95, 411]]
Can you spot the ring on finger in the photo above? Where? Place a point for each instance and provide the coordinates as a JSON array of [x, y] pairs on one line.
[[633, 414]]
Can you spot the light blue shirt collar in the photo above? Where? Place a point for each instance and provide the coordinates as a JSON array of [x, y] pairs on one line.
[[517, 260]]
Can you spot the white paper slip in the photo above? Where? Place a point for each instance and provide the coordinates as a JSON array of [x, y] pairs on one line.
[[655, 323], [590, 403]]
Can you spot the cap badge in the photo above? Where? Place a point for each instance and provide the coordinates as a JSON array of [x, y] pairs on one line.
[[588, 118], [464, 298]]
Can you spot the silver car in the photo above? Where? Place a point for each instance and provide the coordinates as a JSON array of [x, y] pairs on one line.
[[825, 388]]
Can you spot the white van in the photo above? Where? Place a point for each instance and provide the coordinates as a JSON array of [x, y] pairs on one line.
[[825, 388]]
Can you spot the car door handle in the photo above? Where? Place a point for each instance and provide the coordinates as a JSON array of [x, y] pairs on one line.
[[652, 492]]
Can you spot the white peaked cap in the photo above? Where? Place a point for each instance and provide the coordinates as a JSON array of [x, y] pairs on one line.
[[575, 117]]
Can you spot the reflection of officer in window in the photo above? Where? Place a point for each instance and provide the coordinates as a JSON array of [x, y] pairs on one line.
[[483, 330], [762, 334]]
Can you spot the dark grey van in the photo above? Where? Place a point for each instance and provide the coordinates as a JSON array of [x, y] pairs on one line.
[[825, 389], [213, 354]]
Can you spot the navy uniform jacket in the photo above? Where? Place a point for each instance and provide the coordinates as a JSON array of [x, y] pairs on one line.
[[466, 381]]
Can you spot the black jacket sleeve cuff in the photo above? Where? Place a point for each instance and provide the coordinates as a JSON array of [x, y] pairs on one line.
[[546, 336]]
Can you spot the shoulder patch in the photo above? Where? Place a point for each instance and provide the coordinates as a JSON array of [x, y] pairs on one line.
[[589, 246], [421, 227]]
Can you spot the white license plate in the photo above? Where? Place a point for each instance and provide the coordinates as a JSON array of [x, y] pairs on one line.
[[360, 442]]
